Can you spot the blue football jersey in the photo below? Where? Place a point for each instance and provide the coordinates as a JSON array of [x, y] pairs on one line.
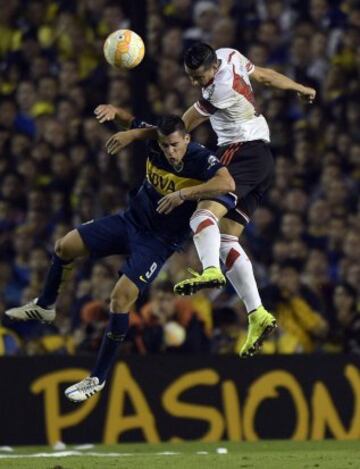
[[197, 166]]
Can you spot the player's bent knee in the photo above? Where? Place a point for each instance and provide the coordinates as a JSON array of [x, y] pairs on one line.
[[61, 250], [70, 246], [230, 227], [121, 303], [216, 208], [123, 296]]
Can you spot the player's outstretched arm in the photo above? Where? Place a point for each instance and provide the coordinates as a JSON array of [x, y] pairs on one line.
[[122, 139], [221, 183], [192, 118], [270, 77], [108, 112]]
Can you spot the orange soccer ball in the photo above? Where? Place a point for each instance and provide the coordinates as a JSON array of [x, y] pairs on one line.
[[124, 49]]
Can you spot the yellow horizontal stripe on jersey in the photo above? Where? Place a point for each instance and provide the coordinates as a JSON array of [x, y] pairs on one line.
[[165, 182]]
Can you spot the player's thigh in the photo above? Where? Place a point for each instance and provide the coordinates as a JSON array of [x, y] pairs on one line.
[[106, 236], [231, 227], [71, 246], [123, 295], [241, 215], [247, 204], [251, 165], [216, 208], [148, 255], [252, 169]]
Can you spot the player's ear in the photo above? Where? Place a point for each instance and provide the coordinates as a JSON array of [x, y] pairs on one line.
[[187, 138]]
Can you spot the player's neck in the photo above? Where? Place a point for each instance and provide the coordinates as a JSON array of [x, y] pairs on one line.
[[178, 166]]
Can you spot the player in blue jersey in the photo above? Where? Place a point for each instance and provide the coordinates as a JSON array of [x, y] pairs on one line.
[[145, 235]]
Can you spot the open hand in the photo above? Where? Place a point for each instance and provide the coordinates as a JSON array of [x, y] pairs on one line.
[[170, 201], [105, 113], [119, 141], [307, 94]]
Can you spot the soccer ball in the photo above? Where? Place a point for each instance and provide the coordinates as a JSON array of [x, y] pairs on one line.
[[174, 334], [124, 49]]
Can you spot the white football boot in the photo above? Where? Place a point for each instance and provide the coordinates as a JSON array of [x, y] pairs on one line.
[[84, 389], [31, 311]]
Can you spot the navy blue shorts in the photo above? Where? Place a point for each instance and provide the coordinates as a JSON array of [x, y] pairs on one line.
[[115, 234]]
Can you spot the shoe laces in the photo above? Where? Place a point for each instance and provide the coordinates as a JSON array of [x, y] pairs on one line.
[[87, 383], [193, 272]]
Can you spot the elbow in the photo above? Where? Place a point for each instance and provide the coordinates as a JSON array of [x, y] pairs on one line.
[[267, 80]]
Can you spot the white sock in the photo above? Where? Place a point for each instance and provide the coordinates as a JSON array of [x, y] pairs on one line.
[[239, 271], [206, 237]]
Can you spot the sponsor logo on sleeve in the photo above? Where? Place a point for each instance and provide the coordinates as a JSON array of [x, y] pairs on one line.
[[212, 160]]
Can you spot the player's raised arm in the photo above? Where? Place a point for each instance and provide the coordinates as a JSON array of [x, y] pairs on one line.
[[270, 77], [108, 112], [120, 140], [139, 130]]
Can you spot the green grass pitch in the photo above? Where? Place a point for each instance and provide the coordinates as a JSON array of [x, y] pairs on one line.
[[265, 455]]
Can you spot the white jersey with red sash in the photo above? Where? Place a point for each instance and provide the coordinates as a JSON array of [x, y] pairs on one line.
[[228, 100]]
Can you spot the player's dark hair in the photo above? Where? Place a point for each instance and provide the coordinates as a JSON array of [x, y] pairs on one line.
[[199, 54], [170, 123]]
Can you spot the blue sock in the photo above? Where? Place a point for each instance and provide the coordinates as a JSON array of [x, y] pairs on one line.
[[114, 334], [56, 275]]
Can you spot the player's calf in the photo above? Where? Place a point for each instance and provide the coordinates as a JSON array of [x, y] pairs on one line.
[[206, 237], [123, 296]]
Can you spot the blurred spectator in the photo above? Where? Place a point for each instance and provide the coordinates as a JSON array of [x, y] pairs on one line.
[[54, 171], [204, 17], [228, 335], [223, 33], [9, 342], [302, 328], [94, 316], [347, 332], [168, 323]]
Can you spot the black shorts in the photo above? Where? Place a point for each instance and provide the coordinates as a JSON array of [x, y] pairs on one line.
[[251, 164]]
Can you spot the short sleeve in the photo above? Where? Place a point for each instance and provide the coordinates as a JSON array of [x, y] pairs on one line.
[[246, 63], [221, 96], [204, 107], [208, 166]]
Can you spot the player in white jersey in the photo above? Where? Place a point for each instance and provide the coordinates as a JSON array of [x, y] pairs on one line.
[[243, 139], [230, 93]]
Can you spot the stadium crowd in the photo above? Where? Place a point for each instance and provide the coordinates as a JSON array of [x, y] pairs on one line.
[[55, 173]]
